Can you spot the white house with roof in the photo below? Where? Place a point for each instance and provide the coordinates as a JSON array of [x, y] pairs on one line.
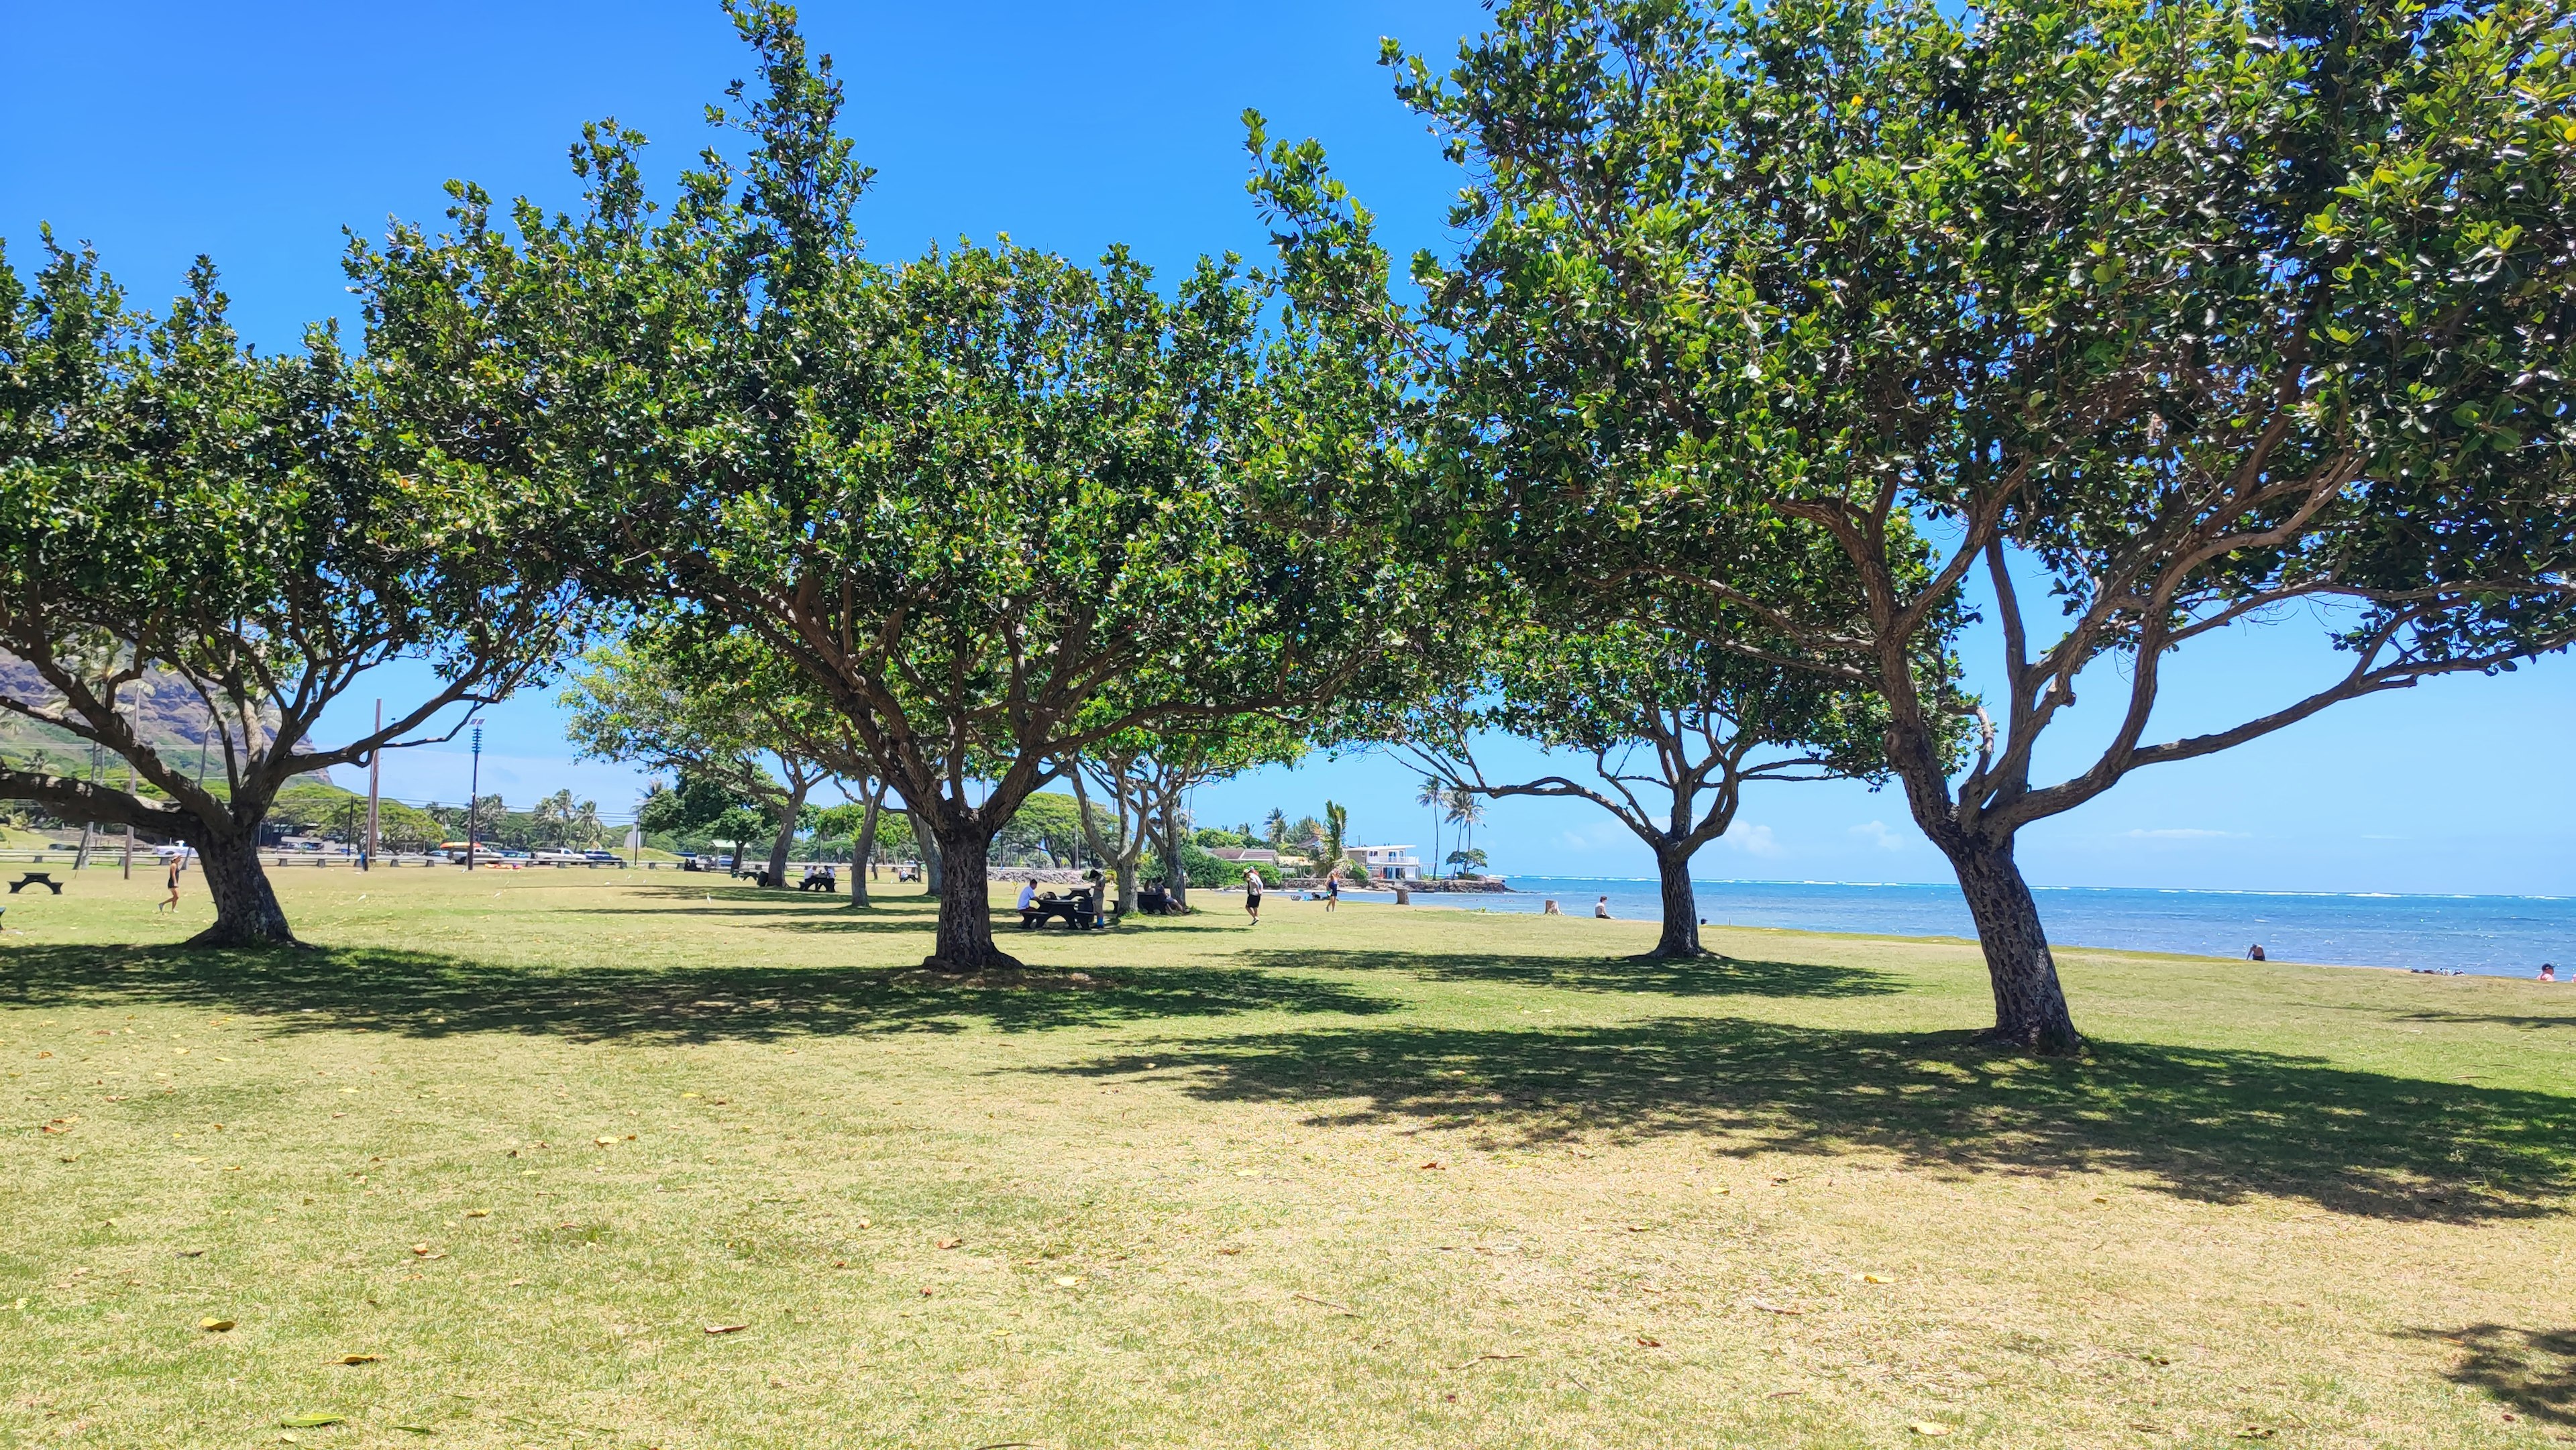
[[1396, 863]]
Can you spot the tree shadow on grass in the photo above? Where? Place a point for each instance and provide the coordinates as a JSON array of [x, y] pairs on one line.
[[806, 911], [1692, 977], [2201, 1123], [423, 994], [2532, 1370]]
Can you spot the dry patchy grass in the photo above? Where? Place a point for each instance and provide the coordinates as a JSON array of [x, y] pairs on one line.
[[1386, 1177]]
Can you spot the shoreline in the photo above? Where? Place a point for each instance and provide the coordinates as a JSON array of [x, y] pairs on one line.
[[1386, 898]]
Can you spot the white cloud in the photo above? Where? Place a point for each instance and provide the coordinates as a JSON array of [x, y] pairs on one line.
[[1881, 835], [1753, 841], [2185, 833]]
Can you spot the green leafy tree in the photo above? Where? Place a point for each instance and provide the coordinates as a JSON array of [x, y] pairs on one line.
[[253, 528], [2183, 317], [1676, 727], [1148, 777], [995, 506], [669, 700]]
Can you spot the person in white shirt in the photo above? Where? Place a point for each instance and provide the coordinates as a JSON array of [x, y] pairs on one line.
[[1028, 892]]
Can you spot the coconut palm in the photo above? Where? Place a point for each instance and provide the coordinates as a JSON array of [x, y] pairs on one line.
[[1435, 794], [1466, 811]]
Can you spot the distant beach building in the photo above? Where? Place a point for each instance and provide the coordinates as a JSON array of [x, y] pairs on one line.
[[1395, 863]]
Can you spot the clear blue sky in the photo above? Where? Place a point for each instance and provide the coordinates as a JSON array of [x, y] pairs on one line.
[[255, 132]]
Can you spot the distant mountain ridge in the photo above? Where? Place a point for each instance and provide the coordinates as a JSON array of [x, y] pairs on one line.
[[167, 713]]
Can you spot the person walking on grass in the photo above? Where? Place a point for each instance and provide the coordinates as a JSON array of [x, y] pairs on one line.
[[178, 863], [1332, 891], [1252, 895]]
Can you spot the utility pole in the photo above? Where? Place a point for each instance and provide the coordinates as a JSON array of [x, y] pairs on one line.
[[473, 797], [375, 780]]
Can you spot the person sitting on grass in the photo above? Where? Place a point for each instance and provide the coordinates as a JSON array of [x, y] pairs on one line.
[[1601, 909], [2548, 970]]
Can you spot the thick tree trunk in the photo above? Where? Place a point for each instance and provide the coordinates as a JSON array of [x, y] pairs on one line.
[[1681, 907], [1178, 887], [786, 841], [246, 910], [864, 856], [2030, 1006], [965, 942], [1125, 866]]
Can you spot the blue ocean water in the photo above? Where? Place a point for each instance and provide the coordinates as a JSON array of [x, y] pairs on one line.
[[2489, 935]]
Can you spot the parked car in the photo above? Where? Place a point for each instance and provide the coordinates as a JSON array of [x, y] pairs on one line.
[[603, 858]]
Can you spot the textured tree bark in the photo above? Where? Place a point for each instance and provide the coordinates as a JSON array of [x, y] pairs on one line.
[[2030, 1005], [1178, 887], [866, 848], [1681, 907], [965, 941], [778, 849], [246, 910]]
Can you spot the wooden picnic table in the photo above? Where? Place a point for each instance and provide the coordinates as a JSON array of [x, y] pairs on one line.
[[1075, 909]]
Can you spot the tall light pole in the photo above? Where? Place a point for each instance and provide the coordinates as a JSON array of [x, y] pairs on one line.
[[473, 797], [375, 780]]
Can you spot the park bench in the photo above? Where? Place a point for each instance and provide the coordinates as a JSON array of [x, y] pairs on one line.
[[36, 878]]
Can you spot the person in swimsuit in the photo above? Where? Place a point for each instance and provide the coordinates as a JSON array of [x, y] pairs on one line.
[[1332, 891], [178, 863]]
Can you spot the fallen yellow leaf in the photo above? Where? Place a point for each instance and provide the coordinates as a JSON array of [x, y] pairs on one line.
[[214, 1326], [1926, 1427], [950, 1243], [358, 1359], [727, 1328]]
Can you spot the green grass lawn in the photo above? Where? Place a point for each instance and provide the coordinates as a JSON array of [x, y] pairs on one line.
[[1383, 1178]]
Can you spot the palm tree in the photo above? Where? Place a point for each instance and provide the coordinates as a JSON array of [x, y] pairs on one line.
[[1468, 811], [1435, 794], [586, 825], [1275, 827], [1337, 824]]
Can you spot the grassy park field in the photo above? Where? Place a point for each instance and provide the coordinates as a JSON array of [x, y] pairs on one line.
[[606, 1159]]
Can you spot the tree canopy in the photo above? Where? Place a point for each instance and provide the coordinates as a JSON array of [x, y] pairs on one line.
[[994, 505], [2176, 315], [254, 527]]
